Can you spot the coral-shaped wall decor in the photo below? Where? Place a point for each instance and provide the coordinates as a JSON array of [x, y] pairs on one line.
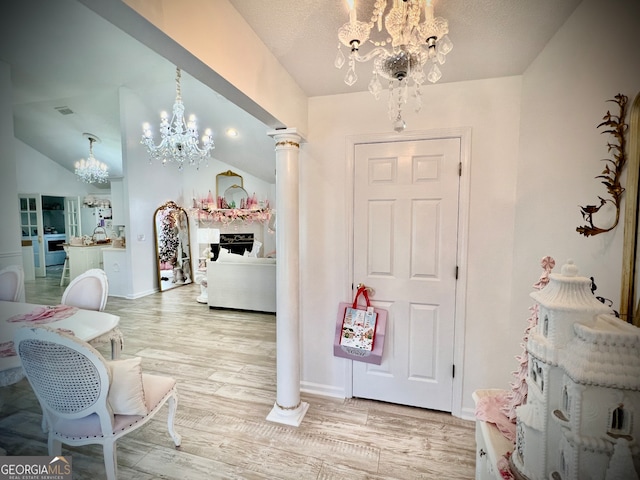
[[610, 176]]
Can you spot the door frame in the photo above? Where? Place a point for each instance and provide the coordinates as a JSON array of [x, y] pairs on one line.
[[72, 229], [464, 134], [41, 269]]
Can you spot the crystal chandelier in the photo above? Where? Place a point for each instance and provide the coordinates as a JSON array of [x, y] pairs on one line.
[[91, 170], [401, 54], [178, 138]]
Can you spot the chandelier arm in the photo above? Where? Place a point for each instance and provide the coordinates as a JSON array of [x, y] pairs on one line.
[[378, 51]]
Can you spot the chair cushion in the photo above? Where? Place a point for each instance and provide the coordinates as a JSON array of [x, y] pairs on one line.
[[156, 387], [126, 392]]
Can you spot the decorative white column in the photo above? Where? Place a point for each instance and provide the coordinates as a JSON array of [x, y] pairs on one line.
[[288, 408]]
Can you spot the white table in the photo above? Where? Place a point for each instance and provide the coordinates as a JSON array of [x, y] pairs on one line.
[[85, 324]]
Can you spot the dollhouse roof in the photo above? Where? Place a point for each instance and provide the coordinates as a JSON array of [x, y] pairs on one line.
[[568, 292], [605, 354]]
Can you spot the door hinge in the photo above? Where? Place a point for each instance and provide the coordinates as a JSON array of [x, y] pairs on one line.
[[453, 371], [456, 272], [460, 169]]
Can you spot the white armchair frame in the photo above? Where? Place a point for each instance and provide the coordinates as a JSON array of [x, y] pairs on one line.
[[71, 381], [12, 284], [90, 291]]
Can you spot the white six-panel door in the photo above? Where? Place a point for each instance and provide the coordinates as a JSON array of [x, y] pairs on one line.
[[406, 197]]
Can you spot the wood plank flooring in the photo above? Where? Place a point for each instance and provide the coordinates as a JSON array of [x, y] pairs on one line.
[[224, 362]]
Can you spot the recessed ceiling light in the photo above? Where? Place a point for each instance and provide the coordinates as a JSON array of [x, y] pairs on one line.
[[232, 132]]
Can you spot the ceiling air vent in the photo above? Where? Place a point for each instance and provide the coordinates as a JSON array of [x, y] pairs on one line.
[[64, 110]]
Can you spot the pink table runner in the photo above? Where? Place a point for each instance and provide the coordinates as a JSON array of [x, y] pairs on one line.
[[7, 349], [41, 315], [37, 316]]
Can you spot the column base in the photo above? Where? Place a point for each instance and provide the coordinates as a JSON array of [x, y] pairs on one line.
[[288, 417]]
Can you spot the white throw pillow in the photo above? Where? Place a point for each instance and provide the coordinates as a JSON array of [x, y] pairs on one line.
[[126, 393]]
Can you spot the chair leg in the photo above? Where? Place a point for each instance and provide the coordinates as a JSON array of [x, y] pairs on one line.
[[110, 460], [44, 424], [65, 272], [173, 406], [54, 446]]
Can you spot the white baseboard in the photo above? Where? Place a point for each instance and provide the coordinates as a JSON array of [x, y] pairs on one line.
[[134, 296], [322, 390], [468, 414]]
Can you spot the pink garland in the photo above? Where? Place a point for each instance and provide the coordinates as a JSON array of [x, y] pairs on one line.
[[231, 215]]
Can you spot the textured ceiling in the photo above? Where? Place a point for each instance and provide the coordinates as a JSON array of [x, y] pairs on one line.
[[491, 38]]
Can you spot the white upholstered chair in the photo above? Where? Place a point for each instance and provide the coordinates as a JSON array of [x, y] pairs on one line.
[[86, 399], [90, 291], [12, 284]]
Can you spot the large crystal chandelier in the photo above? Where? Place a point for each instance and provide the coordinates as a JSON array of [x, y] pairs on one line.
[[91, 170], [178, 138], [401, 54]]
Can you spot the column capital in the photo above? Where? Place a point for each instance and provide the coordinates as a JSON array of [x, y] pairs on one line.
[[286, 138]]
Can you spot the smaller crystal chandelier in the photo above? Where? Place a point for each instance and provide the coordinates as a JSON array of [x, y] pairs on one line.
[[178, 138], [91, 170], [400, 54]]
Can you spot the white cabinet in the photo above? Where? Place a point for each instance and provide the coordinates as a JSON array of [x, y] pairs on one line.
[[247, 285], [82, 259], [28, 263], [491, 445], [116, 266]]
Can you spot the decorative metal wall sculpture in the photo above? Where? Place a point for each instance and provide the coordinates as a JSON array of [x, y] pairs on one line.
[[612, 171]]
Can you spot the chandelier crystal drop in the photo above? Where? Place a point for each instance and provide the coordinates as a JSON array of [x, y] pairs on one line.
[[401, 53], [91, 170], [178, 138]]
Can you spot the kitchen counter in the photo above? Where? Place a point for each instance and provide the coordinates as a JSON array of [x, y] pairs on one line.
[[103, 245]]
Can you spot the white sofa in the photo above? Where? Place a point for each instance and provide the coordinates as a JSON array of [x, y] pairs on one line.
[[242, 283]]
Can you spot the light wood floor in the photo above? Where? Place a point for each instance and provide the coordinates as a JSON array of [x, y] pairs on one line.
[[224, 362]]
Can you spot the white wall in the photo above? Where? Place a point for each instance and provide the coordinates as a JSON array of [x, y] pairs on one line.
[[36, 173], [595, 56], [10, 249], [492, 109], [147, 187]]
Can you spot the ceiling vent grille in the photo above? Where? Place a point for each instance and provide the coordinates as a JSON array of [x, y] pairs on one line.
[[64, 110]]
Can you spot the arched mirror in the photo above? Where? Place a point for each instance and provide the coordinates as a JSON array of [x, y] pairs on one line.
[[235, 195], [227, 179], [173, 252]]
